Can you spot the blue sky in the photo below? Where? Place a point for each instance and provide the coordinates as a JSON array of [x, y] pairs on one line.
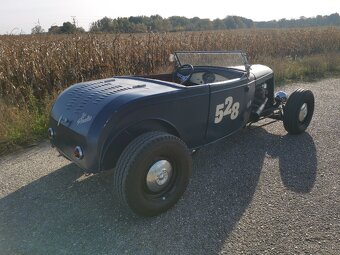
[[22, 15]]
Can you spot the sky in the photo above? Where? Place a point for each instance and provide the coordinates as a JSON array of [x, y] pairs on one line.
[[21, 15]]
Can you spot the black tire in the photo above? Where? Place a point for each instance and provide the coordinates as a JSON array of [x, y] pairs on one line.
[[292, 109], [133, 165]]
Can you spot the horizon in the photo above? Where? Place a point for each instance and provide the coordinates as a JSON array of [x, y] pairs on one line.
[[16, 18]]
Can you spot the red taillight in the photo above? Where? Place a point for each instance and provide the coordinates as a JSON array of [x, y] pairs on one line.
[[78, 152]]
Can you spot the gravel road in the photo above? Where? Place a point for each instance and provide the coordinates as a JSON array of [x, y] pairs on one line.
[[260, 191]]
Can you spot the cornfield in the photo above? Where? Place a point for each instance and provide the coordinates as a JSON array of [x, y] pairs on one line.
[[40, 65]]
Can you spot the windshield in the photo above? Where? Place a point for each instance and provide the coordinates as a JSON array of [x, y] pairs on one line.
[[220, 59]]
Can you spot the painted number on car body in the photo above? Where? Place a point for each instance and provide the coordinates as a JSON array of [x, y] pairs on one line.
[[226, 109]]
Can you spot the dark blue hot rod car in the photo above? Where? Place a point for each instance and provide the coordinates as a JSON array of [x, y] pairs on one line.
[[146, 127]]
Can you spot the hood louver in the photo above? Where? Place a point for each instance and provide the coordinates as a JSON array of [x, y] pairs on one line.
[[93, 93]]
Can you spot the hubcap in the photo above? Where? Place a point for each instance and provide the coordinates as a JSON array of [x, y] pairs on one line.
[[159, 175], [303, 112]]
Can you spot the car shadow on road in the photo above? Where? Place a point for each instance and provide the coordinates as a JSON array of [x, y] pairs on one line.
[[66, 212]]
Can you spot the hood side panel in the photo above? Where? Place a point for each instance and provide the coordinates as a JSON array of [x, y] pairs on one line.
[[260, 71]]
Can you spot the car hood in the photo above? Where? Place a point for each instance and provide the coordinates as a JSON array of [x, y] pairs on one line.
[[78, 106], [260, 71]]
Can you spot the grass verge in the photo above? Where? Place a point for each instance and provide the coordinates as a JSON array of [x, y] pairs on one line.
[[25, 125], [308, 68]]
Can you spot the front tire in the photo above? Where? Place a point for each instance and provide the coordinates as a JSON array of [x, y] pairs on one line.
[[152, 173], [298, 111]]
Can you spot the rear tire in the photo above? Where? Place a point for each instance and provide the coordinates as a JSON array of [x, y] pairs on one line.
[[152, 173], [298, 111]]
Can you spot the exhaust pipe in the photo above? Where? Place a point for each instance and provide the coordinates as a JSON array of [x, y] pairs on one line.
[[261, 108]]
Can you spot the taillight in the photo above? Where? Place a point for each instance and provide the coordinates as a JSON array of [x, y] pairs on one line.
[[78, 152], [50, 133]]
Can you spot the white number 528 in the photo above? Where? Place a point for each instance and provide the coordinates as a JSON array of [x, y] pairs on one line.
[[228, 108]]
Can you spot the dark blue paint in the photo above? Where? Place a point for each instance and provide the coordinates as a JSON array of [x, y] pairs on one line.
[[118, 103]]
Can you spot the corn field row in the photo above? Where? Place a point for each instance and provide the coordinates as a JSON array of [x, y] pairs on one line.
[[41, 65]]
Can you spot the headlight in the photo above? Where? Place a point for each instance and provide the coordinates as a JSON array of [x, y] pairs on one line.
[[281, 97]]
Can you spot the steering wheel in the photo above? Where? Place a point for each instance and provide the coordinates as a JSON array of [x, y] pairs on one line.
[[183, 73]]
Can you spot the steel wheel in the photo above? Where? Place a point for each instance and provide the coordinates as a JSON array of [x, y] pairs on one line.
[[152, 173]]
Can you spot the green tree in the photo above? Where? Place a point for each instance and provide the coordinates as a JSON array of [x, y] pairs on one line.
[[105, 24], [54, 30], [36, 30], [156, 23], [68, 28]]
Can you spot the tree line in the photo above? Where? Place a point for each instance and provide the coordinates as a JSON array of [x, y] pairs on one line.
[[318, 21], [66, 28], [156, 23]]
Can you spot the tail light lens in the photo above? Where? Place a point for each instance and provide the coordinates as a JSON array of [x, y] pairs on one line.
[[50, 133], [78, 152]]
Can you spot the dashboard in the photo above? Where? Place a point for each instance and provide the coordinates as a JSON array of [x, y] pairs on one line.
[[206, 77]]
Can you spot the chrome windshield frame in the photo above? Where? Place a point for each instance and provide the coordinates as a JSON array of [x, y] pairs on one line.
[[242, 54]]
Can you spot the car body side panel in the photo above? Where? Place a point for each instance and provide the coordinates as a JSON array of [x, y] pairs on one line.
[[229, 107], [185, 110]]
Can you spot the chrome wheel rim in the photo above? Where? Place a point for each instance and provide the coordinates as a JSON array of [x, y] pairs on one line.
[[159, 175], [303, 112]]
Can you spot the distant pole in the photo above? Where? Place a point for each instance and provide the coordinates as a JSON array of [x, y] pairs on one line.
[[12, 32], [74, 21]]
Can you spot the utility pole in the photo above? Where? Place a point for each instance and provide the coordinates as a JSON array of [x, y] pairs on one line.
[[74, 21]]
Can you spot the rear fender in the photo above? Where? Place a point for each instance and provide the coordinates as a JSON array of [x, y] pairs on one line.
[[115, 144]]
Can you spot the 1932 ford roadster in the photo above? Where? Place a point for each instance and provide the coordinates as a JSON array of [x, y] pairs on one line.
[[146, 127]]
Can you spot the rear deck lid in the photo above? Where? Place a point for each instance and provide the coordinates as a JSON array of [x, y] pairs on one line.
[[78, 106]]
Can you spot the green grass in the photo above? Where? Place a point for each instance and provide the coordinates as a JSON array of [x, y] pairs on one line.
[[25, 125], [308, 68], [22, 126]]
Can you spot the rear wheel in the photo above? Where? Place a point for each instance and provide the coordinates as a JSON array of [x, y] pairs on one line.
[[152, 173], [298, 111]]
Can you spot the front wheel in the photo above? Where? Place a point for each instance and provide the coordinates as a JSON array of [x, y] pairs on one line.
[[298, 111], [152, 173]]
